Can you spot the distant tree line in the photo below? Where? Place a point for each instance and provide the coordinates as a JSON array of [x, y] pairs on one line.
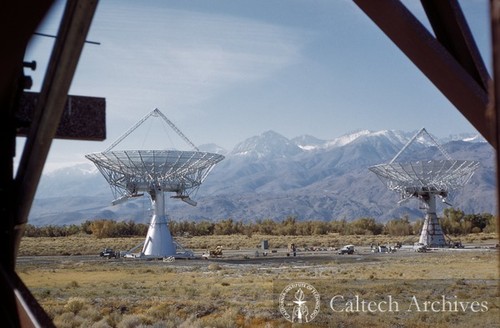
[[454, 222], [100, 228]]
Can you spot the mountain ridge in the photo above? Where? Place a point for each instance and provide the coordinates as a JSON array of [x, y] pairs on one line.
[[271, 176]]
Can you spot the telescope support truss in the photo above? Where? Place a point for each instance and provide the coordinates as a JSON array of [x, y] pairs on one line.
[[132, 173], [425, 180]]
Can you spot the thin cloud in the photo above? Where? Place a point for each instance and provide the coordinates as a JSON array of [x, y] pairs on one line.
[[185, 57]]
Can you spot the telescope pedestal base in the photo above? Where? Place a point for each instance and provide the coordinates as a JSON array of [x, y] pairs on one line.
[[432, 235], [159, 242]]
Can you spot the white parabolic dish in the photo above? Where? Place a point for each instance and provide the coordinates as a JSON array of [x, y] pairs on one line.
[[425, 180], [134, 171], [432, 175]]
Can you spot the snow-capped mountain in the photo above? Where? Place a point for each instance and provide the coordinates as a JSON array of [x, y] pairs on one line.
[[307, 142], [468, 137], [212, 148], [267, 144], [270, 176]]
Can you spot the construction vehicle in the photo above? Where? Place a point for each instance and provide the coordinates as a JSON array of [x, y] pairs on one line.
[[215, 253]]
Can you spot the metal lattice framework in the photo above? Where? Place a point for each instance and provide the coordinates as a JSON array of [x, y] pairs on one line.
[[436, 176], [425, 180], [130, 172], [153, 114]]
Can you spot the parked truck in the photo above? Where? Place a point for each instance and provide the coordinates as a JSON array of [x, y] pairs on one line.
[[108, 253], [347, 249]]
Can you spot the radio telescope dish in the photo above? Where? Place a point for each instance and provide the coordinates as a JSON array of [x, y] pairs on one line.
[[425, 180], [131, 173]]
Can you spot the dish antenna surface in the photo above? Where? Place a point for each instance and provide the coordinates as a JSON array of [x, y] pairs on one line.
[[425, 180], [131, 173]]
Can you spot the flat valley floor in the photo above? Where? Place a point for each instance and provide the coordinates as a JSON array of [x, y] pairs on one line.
[[439, 288]]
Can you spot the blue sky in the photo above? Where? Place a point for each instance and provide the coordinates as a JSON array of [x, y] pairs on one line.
[[227, 70]]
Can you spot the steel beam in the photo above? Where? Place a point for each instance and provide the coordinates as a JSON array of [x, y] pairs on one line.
[[452, 31], [495, 90], [434, 60], [73, 30], [18, 21], [24, 310]]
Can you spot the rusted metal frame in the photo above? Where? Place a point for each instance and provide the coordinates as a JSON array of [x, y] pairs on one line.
[[452, 31], [401, 26], [25, 310], [494, 107], [18, 20], [16, 32], [73, 30], [18, 306]]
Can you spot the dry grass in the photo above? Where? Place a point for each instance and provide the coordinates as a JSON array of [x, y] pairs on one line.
[[90, 292], [73, 245], [89, 245]]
